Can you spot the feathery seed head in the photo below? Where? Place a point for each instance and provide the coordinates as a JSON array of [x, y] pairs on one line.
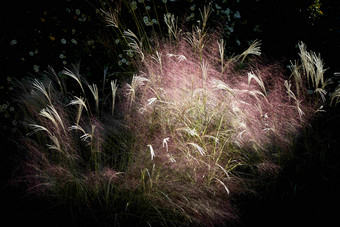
[[152, 153]]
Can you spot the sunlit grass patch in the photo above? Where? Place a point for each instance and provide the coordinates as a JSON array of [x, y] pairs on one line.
[[181, 139]]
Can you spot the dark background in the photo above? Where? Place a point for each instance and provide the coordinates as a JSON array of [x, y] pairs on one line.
[[307, 189]]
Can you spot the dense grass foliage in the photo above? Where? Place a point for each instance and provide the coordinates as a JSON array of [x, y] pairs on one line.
[[181, 134]]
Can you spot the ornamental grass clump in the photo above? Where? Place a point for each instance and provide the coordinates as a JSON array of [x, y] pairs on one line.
[[202, 126], [177, 143]]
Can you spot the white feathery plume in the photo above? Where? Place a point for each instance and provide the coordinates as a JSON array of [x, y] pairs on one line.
[[40, 87], [152, 153], [114, 88], [51, 113], [254, 49], [94, 90]]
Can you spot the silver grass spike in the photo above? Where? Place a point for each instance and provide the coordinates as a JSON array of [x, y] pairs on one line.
[[40, 87], [254, 48], [114, 88]]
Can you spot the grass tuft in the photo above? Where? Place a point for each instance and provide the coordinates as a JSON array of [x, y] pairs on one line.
[[194, 128]]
